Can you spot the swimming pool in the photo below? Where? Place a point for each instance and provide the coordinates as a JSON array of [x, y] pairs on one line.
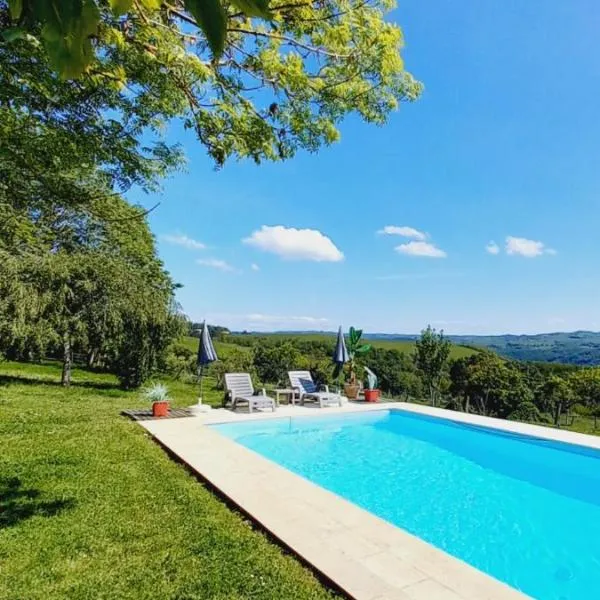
[[524, 510]]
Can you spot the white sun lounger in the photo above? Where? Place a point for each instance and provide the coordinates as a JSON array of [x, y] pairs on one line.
[[240, 388], [307, 389]]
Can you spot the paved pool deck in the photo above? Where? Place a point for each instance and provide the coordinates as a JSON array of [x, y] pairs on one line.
[[363, 555]]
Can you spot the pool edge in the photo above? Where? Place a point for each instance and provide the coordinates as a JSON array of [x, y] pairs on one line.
[[359, 552]]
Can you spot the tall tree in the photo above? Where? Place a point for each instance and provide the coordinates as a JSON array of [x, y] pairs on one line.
[[87, 279], [431, 358], [559, 395]]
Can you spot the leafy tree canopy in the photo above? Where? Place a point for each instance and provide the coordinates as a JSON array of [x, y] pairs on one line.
[[277, 86]]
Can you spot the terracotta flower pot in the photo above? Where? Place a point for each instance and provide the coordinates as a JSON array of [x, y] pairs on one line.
[[351, 390], [372, 395], [160, 409]]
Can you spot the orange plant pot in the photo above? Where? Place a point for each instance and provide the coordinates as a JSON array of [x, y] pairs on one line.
[[160, 409], [372, 395]]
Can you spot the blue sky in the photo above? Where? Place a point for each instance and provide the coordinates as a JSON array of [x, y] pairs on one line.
[[503, 146]]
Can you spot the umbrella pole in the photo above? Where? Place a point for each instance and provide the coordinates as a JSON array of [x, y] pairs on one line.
[[201, 373]]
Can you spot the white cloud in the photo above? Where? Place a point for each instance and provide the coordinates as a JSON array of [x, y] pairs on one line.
[[181, 239], [215, 263], [295, 244], [269, 322], [528, 248], [492, 248], [255, 267], [421, 249], [404, 231], [281, 319]]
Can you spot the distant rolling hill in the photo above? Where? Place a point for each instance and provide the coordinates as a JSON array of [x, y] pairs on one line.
[[578, 347]]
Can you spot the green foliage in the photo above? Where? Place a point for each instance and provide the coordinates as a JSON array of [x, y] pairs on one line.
[[179, 362], [279, 86], [559, 396], [527, 412], [355, 348], [88, 280], [586, 384], [272, 363], [487, 384], [212, 18], [67, 28], [431, 357]]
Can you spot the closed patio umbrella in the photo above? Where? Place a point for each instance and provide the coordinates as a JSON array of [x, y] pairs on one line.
[[340, 354], [206, 353]]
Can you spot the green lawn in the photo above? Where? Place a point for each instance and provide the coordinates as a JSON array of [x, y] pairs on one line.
[[92, 508]]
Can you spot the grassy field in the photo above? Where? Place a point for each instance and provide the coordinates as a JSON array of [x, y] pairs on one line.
[[402, 345], [91, 507]]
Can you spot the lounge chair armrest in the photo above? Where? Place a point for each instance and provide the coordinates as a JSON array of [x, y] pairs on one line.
[[264, 391], [324, 388]]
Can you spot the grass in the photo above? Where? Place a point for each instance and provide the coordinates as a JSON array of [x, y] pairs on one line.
[[222, 348], [92, 508]]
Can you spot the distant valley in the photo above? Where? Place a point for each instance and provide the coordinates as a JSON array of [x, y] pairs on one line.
[[577, 347]]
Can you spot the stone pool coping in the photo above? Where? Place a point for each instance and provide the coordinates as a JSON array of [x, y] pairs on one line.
[[363, 555]]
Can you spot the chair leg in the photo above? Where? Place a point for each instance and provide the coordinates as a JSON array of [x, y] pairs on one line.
[[249, 407]]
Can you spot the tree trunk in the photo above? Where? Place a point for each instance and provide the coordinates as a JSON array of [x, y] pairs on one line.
[[557, 412], [92, 357], [67, 359]]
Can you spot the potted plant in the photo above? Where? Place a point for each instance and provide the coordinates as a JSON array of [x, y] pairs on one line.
[[355, 347], [158, 394], [371, 391]]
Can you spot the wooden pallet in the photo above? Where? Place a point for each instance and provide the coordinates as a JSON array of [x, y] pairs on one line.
[[145, 414]]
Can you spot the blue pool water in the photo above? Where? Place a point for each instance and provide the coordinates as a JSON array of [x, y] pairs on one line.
[[524, 510]]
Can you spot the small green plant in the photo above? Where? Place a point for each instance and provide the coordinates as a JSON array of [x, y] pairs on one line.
[[156, 392], [370, 380]]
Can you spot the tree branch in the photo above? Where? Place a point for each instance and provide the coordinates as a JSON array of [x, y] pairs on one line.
[[287, 40]]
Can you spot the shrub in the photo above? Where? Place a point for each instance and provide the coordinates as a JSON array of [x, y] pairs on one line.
[[179, 362], [236, 361], [526, 411]]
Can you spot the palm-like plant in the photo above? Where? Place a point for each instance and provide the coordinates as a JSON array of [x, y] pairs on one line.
[[355, 347]]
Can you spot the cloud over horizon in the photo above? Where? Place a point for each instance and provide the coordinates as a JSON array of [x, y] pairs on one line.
[[294, 244], [404, 231], [492, 248], [215, 263], [180, 239], [269, 322], [528, 248], [424, 249]]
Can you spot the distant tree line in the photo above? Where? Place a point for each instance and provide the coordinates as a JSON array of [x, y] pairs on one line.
[[482, 383]]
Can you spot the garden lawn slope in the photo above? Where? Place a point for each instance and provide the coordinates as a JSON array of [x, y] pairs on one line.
[[91, 507]]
